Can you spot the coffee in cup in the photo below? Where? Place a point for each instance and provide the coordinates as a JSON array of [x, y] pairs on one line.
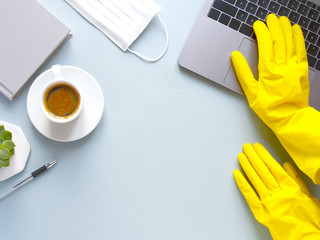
[[60, 99]]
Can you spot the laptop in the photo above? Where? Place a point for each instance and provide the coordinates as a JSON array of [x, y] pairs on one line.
[[224, 26]]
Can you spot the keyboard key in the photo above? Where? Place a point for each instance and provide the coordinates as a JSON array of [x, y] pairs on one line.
[[251, 8], [293, 5], [314, 27], [251, 19], [242, 16], [313, 14], [214, 14], [246, 29], [225, 7], [262, 13], [303, 1], [241, 4], [294, 17], [303, 9], [304, 22], [318, 43], [253, 36], [231, 1], [305, 32], [318, 65], [311, 5], [263, 3], [253, 1], [235, 24], [224, 19], [312, 38], [283, 2], [284, 11], [311, 60], [274, 7], [312, 50]]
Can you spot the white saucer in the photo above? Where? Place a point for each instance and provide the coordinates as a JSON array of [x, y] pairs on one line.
[[21, 152], [93, 105]]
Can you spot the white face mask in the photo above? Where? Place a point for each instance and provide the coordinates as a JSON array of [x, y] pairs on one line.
[[122, 21]]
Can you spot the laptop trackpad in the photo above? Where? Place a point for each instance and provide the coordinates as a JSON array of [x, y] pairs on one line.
[[249, 50]]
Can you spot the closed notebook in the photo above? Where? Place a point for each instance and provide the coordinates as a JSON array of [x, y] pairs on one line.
[[29, 35]]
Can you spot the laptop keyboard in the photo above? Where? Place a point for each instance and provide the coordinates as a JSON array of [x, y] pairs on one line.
[[241, 14]]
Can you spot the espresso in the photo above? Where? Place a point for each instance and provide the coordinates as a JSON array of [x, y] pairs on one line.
[[61, 100]]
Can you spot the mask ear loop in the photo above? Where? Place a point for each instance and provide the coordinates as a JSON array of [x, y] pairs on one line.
[[163, 52]]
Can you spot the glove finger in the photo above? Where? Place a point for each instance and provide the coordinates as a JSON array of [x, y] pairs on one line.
[[275, 168], [260, 167], [288, 37], [265, 46], [243, 72], [247, 191], [279, 48], [253, 176], [288, 167], [300, 50], [299, 42]]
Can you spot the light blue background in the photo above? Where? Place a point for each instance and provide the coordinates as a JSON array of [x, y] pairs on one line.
[[159, 164]]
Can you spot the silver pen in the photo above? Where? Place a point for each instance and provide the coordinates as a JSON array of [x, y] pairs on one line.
[[33, 175]]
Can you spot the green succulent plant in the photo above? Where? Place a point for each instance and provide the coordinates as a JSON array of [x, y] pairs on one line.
[[6, 147]]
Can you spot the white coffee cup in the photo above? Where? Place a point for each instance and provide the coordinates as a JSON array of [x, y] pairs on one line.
[[60, 99]]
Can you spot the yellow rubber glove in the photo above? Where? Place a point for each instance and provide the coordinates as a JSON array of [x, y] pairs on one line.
[[280, 96], [283, 204]]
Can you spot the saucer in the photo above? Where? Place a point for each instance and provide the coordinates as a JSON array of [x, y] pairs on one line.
[[93, 105], [21, 152]]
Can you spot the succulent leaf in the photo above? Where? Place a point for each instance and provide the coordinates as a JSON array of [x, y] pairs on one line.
[[7, 135], [4, 153], [1, 131], [8, 144], [4, 163]]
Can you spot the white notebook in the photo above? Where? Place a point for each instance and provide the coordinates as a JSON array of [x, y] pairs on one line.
[[29, 35]]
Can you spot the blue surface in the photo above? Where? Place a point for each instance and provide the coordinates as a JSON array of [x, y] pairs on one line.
[[159, 164]]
